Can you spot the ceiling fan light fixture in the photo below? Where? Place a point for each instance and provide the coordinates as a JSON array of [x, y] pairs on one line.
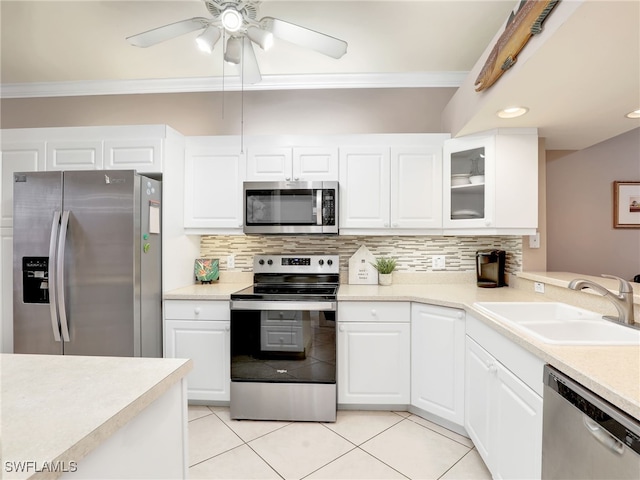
[[231, 19], [207, 39], [512, 112], [263, 38], [634, 114], [233, 53]]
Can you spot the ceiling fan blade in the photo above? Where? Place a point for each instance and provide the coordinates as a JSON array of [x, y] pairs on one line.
[[251, 70], [167, 32], [331, 46]]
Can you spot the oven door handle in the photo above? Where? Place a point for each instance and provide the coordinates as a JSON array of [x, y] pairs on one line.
[[293, 305]]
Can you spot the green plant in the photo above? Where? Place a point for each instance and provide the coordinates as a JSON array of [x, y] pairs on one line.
[[385, 264]]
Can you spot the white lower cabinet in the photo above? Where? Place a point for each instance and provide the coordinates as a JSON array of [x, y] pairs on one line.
[[437, 361], [503, 414], [199, 330], [374, 340]]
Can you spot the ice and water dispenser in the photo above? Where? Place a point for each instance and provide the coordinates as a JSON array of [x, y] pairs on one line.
[[35, 279]]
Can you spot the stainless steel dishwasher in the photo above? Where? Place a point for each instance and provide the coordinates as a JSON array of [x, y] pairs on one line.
[[585, 437]]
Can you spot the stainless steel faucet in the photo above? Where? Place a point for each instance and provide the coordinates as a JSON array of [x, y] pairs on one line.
[[623, 302]]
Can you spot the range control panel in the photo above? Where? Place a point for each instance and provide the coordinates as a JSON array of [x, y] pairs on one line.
[[296, 264]]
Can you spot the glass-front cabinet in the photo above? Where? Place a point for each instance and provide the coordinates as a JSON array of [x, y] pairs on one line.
[[491, 183], [468, 181]]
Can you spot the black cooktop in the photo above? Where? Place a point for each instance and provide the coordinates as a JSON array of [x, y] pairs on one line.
[[293, 292]]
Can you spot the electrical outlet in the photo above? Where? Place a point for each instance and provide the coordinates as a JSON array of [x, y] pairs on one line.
[[534, 241], [231, 262], [438, 262], [538, 287]]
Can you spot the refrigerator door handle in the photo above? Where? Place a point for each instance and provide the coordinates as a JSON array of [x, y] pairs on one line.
[[53, 291], [62, 309]]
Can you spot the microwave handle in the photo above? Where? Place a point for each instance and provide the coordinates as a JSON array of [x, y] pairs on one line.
[[319, 207]]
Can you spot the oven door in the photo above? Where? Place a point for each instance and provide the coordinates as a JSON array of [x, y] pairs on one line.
[[283, 342]]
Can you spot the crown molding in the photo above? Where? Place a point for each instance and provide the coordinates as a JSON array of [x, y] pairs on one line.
[[217, 84]]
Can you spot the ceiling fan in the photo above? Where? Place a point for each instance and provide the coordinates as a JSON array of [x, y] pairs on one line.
[[236, 19]]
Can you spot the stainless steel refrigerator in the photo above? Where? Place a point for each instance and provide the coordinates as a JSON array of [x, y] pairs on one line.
[[87, 263]]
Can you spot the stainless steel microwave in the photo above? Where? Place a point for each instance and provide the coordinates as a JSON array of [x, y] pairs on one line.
[[290, 207]]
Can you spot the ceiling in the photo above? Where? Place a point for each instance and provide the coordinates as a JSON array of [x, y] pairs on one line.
[[579, 77]]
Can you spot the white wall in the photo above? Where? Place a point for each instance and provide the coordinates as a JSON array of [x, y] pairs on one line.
[[580, 235]]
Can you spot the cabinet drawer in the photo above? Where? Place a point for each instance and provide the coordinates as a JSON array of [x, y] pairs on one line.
[[374, 311], [197, 310]]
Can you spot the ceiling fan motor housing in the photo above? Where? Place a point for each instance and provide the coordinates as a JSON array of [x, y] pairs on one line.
[[248, 10]]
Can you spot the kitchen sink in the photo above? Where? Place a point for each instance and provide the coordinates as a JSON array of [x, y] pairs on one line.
[[561, 324]]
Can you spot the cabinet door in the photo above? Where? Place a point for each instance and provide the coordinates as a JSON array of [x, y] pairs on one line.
[[6, 290], [17, 157], [480, 379], [269, 164], [373, 363], [517, 409], [141, 154], [466, 204], [213, 189], [416, 187], [364, 187], [437, 361], [315, 163], [74, 155], [207, 343]]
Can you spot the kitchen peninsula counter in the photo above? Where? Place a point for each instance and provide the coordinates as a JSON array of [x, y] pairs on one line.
[[62, 416]]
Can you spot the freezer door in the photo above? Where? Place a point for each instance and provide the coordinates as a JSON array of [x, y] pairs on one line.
[[101, 281], [37, 198]]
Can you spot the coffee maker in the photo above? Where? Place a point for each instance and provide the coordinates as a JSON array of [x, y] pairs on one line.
[[490, 268]]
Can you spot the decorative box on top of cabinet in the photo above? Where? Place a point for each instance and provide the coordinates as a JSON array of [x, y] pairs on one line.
[[503, 198], [292, 164], [390, 190]]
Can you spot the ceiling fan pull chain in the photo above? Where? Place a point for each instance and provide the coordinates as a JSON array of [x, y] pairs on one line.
[[224, 43], [242, 100]]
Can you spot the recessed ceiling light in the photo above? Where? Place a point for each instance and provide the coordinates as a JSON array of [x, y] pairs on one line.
[[634, 114], [512, 112]]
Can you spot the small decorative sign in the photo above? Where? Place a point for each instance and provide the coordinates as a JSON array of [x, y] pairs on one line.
[[361, 270]]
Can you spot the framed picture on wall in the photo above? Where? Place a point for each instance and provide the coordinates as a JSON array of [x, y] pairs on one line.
[[626, 204]]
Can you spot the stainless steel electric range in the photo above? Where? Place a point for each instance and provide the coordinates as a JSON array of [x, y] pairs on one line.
[[283, 340]]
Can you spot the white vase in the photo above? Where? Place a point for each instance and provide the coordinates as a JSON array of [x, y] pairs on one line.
[[384, 278]]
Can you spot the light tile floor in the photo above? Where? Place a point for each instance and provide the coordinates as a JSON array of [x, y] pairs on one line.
[[359, 445]]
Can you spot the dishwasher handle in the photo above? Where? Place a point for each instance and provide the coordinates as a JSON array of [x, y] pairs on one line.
[[602, 436]]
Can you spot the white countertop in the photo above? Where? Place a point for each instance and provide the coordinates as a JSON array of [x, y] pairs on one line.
[[613, 372], [58, 408]]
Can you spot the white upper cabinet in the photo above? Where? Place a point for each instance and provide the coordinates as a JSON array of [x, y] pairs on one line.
[[395, 189], [490, 183], [213, 186], [16, 157], [364, 187], [141, 154], [416, 187], [280, 164], [74, 155]]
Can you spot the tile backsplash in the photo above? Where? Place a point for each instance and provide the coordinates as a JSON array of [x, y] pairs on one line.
[[413, 253]]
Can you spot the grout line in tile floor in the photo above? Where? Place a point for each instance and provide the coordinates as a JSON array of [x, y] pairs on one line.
[[356, 445]]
